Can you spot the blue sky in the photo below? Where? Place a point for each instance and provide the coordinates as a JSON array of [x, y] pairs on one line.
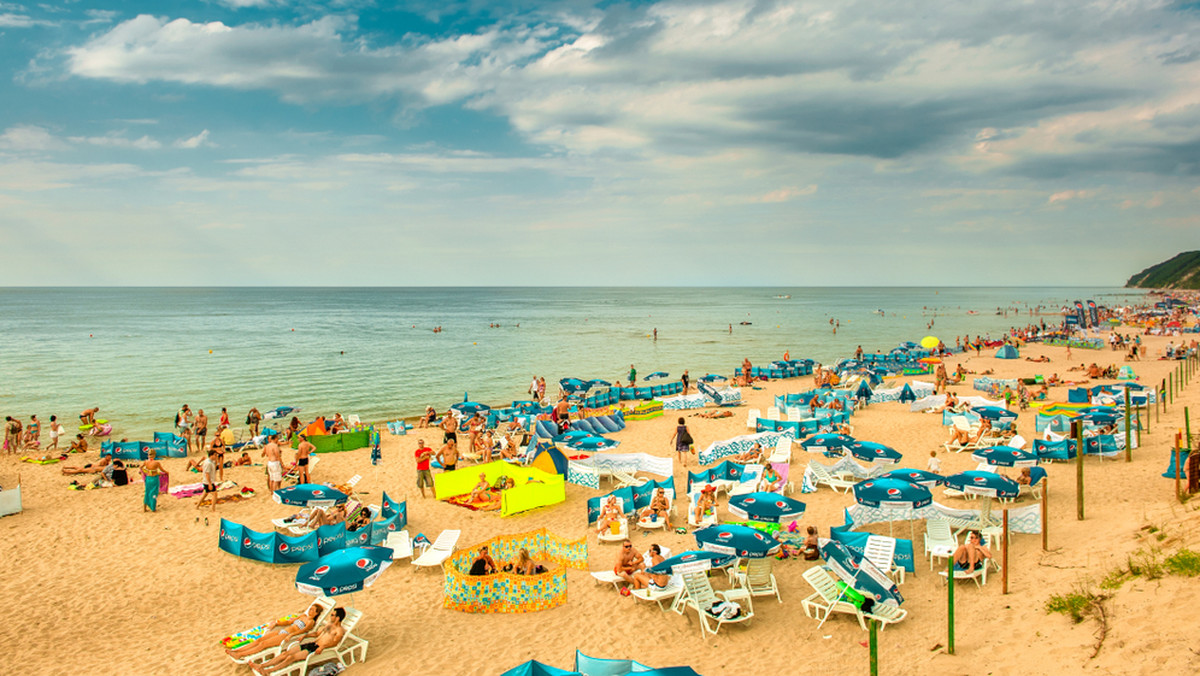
[[729, 142]]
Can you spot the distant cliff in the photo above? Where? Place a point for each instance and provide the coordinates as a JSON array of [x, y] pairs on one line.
[[1181, 272]]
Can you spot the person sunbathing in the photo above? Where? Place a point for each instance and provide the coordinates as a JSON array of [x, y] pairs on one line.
[[330, 636], [951, 403], [653, 581], [659, 505], [524, 564], [972, 555], [771, 481], [1025, 477], [610, 514], [359, 520], [242, 461], [278, 631], [1094, 371], [320, 517], [90, 468], [629, 562], [481, 489], [427, 419], [705, 502], [754, 455], [1041, 359], [509, 450], [79, 445], [483, 563]]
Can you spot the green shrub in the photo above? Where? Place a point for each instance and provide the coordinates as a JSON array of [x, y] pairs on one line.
[[1184, 562]]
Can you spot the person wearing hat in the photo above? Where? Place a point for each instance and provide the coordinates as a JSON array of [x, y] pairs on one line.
[[706, 501]]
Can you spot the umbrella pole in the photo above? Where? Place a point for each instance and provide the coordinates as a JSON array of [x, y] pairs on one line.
[[1045, 516], [1129, 431], [874, 626], [950, 602], [1004, 549], [1079, 452]]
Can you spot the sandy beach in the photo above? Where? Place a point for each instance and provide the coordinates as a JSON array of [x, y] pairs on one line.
[[97, 586]]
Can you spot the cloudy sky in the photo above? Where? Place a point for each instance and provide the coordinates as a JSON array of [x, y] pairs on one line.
[[499, 142]]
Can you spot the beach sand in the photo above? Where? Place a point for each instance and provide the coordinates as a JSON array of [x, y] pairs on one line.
[[96, 586]]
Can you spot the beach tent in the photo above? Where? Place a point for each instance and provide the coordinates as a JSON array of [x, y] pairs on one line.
[[549, 459], [10, 500], [1126, 373], [1007, 352], [535, 668], [534, 488], [907, 394]]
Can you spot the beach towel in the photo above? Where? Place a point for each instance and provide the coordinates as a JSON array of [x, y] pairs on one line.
[[241, 638], [39, 461], [476, 506], [150, 493]]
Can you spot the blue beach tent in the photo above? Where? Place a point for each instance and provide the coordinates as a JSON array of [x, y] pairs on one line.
[[1007, 352]]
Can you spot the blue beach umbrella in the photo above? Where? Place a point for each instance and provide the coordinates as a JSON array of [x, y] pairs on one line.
[[891, 493], [535, 668], [1099, 415], [858, 573], [820, 443], [574, 385], [701, 559], [470, 408], [1005, 456], [769, 507], [344, 571], [907, 395], [741, 541], [863, 391], [310, 495], [917, 476], [984, 483], [591, 443], [655, 375], [567, 437], [597, 382], [994, 413], [869, 451], [712, 378]]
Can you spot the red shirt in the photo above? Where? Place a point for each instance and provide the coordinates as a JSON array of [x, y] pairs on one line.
[[423, 463]]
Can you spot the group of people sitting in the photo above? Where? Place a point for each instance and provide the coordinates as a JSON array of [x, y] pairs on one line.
[[631, 567], [488, 491], [302, 636], [523, 564]]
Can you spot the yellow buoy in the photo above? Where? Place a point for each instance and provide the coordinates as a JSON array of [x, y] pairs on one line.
[[210, 351]]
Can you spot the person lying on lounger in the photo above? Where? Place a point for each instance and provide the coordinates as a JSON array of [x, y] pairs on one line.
[[359, 520], [278, 631], [706, 501], [756, 454], [972, 555], [609, 514], [330, 636], [654, 582], [659, 505], [629, 562], [320, 517], [771, 481], [89, 468]]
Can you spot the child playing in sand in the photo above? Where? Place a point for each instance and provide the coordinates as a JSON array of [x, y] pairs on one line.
[[935, 465]]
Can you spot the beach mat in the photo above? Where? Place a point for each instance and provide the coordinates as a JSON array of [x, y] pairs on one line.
[[465, 501]]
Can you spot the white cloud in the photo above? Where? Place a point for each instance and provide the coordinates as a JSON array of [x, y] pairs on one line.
[[24, 138], [1064, 195], [118, 141], [786, 194], [196, 141]]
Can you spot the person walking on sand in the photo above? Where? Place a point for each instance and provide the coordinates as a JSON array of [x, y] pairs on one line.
[[423, 455], [541, 392], [151, 470], [184, 426], [686, 382], [303, 451], [682, 439], [56, 431], [253, 418], [208, 472], [274, 464]]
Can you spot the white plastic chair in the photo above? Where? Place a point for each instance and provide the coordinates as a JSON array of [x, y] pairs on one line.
[[940, 540], [794, 415], [881, 551], [441, 549], [752, 417], [773, 413]]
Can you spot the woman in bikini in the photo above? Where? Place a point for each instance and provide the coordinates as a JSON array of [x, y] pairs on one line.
[[609, 515], [277, 632]]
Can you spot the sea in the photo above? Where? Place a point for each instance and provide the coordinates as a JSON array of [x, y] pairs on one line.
[[140, 353]]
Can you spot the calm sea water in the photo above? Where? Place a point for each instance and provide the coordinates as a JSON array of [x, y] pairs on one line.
[[140, 353]]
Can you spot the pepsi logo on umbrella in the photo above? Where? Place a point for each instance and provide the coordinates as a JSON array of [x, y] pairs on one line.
[[283, 547], [893, 492]]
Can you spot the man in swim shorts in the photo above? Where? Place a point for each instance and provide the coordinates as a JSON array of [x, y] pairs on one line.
[[303, 450], [330, 636], [274, 464], [209, 474], [424, 476], [88, 417], [449, 427], [448, 455]]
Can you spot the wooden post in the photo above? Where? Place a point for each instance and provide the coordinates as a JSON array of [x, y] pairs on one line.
[[1187, 423], [1004, 549], [874, 626], [1045, 516], [1079, 453], [1128, 430], [950, 601], [1178, 495]]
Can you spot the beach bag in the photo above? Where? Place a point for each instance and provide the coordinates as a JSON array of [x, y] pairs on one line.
[[685, 437], [725, 610]]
